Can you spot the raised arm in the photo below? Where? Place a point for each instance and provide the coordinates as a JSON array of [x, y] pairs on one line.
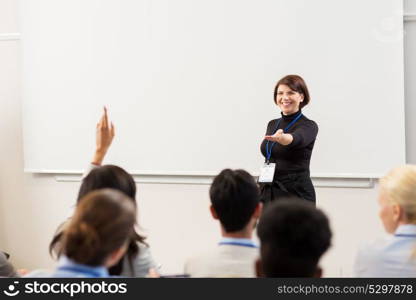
[[104, 136]]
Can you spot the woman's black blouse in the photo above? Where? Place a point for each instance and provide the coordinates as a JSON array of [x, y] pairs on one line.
[[296, 156]]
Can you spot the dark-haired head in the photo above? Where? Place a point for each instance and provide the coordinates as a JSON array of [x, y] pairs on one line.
[[296, 84], [114, 177], [293, 236], [234, 197], [108, 176], [100, 228]]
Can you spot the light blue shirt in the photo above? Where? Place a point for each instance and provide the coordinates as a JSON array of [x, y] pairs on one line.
[[69, 268], [238, 242], [393, 256]]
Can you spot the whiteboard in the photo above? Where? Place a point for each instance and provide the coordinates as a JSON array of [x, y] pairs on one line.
[[189, 84]]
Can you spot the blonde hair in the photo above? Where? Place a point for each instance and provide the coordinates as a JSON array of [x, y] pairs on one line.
[[399, 186]]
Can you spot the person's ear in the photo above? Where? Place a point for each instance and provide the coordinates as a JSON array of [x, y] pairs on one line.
[[258, 210], [318, 272], [213, 212], [398, 213], [259, 268]]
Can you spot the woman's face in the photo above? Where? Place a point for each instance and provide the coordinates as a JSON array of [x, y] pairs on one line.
[[389, 213], [288, 100]]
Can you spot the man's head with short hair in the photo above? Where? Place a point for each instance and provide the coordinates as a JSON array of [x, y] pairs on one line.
[[235, 198], [293, 236]]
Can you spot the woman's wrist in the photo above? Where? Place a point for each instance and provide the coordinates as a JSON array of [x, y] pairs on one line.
[[98, 157], [286, 139]]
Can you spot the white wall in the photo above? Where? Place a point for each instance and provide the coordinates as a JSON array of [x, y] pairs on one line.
[[152, 56], [410, 6], [175, 217], [410, 75]]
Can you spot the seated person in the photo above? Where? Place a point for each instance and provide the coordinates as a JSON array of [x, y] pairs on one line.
[[395, 255], [138, 260], [235, 202], [293, 236], [6, 268], [97, 236]]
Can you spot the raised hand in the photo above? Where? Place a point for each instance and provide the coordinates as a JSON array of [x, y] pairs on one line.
[[104, 137]]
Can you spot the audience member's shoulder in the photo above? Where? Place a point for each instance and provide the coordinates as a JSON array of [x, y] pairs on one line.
[[375, 247], [141, 264], [3, 257], [41, 273], [370, 254], [199, 261], [6, 268]]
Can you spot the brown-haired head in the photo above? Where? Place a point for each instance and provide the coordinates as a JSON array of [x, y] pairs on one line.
[[113, 177], [108, 176], [297, 84], [103, 223]]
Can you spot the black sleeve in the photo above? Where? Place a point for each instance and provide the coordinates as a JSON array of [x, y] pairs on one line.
[[304, 135], [271, 127]]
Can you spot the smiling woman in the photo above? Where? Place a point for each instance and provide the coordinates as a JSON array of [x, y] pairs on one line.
[[287, 146]]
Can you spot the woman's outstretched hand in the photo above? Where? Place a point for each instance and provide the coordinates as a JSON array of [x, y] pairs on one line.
[[104, 137], [280, 137]]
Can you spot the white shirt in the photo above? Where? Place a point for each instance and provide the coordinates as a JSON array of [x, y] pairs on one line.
[[232, 257], [393, 256]]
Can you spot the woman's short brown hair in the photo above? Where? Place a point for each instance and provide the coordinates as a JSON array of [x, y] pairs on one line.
[[297, 84]]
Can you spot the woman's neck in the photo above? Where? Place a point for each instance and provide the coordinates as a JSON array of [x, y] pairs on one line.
[[289, 114]]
